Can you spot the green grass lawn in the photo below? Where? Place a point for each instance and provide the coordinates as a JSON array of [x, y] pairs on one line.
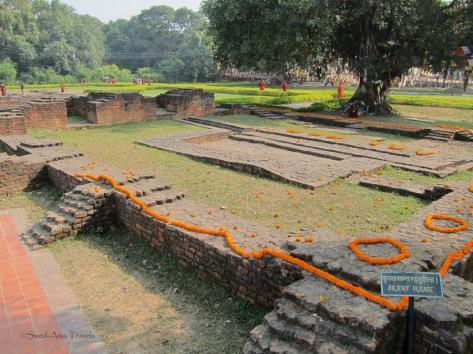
[[401, 175], [216, 187]]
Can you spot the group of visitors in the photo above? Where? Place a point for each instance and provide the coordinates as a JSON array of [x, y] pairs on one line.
[[4, 91], [262, 85], [142, 81]]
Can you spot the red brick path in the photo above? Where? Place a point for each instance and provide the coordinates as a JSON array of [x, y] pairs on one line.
[[24, 310]]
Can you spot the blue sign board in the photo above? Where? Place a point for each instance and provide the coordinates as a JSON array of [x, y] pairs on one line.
[[411, 284]]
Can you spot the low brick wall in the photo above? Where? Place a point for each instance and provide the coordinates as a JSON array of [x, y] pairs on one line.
[[77, 105], [12, 122], [12, 101], [185, 103], [259, 281], [109, 109], [17, 173], [62, 179], [45, 113], [32, 112]]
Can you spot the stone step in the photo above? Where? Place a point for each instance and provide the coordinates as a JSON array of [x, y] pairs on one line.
[[340, 316], [286, 322], [291, 333], [263, 341], [68, 210], [42, 236], [53, 228], [29, 241]]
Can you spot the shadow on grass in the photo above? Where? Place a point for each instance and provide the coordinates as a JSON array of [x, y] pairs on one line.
[[216, 322]]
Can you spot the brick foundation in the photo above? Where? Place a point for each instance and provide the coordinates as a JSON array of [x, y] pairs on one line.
[[186, 103], [109, 109], [310, 315]]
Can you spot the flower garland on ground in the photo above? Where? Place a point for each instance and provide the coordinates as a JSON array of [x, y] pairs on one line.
[[422, 152], [401, 305], [375, 142], [379, 260], [295, 131], [397, 147], [315, 134], [463, 225], [471, 188]]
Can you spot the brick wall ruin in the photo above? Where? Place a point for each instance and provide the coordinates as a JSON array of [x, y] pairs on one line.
[[184, 103], [12, 122], [310, 314], [18, 113], [45, 112], [109, 108], [12, 101]]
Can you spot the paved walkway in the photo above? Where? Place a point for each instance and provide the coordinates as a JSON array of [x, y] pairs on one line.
[[38, 312]]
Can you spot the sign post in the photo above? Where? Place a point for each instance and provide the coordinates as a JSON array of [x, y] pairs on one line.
[[399, 284]]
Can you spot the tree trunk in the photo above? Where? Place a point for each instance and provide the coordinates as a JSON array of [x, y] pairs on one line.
[[372, 96]]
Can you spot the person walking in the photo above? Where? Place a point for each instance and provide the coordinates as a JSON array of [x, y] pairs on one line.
[[284, 85], [262, 85], [3, 89], [22, 88], [63, 87], [340, 89], [465, 80]]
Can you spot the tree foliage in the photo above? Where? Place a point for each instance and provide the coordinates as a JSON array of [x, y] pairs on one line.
[[168, 41], [377, 39], [47, 41], [42, 34]]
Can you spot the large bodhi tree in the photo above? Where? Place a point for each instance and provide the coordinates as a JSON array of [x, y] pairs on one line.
[[378, 39]]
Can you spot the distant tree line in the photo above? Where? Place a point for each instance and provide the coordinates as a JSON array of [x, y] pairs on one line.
[[47, 42]]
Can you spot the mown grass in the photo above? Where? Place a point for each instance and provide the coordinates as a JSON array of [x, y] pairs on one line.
[[402, 175], [216, 187], [139, 301], [465, 102]]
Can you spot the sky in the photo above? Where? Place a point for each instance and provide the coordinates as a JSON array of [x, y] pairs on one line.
[[107, 10]]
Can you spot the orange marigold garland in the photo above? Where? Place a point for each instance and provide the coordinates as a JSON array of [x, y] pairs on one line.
[[402, 304], [463, 225], [397, 147], [315, 134], [422, 152], [379, 260], [375, 142], [295, 131], [334, 137], [471, 188]]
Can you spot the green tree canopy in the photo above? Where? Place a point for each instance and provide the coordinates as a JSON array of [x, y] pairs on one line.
[[48, 34], [377, 39], [168, 41]]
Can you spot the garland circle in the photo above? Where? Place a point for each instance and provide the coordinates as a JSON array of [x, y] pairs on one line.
[[404, 252], [463, 225]]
